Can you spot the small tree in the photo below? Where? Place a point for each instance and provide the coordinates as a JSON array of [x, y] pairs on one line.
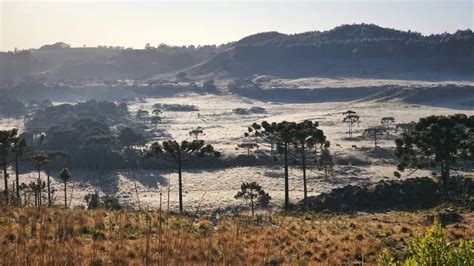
[[181, 153], [141, 114], [387, 123], [326, 162], [39, 160], [374, 132], [156, 120], [437, 141], [253, 191], [248, 146], [199, 131], [351, 118], [65, 177]]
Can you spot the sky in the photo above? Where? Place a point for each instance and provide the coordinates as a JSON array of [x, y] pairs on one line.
[[31, 24]]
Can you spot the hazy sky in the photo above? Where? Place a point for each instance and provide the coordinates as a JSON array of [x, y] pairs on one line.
[[30, 24]]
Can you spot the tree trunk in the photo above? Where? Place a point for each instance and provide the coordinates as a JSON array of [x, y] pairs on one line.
[[375, 138], [180, 184], [287, 195], [65, 194], [49, 189], [39, 188], [305, 190], [36, 197], [5, 178], [445, 178], [350, 130], [271, 152], [251, 204], [17, 175]]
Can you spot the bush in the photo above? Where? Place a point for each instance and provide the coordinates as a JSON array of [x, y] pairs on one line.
[[351, 160], [410, 194], [107, 202], [432, 249]]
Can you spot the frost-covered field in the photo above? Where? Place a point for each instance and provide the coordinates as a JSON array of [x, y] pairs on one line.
[[211, 189]]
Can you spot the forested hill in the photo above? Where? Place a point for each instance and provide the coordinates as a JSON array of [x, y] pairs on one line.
[[348, 50], [359, 49]]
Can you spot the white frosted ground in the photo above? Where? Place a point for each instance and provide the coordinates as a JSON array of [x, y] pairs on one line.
[[211, 189]]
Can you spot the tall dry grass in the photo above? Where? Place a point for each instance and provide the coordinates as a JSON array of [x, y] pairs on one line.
[[79, 237]]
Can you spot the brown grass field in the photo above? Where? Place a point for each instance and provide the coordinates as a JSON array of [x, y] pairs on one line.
[[80, 237]]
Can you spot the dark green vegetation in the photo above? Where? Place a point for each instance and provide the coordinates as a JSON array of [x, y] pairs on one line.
[[350, 50], [411, 194], [437, 141], [255, 194]]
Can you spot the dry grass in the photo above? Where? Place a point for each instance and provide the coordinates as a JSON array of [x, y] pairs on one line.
[[79, 237]]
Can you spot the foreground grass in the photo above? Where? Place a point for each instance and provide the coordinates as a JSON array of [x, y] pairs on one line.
[[79, 237]]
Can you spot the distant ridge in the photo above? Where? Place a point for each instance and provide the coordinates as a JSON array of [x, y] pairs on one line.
[[346, 51]]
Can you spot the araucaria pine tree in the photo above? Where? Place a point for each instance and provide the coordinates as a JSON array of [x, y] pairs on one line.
[[181, 153], [65, 176], [306, 136], [282, 134], [255, 194], [351, 118]]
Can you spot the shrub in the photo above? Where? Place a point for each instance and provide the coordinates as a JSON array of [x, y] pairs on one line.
[[107, 202], [432, 249]]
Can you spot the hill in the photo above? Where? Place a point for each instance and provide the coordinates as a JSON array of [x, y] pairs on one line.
[[348, 50]]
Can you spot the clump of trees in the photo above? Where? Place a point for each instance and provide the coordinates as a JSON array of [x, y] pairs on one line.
[[301, 137], [7, 140], [437, 141], [175, 107]]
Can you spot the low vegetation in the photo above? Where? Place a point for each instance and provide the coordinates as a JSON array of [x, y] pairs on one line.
[[79, 237]]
